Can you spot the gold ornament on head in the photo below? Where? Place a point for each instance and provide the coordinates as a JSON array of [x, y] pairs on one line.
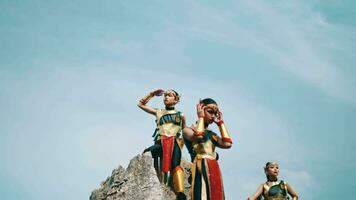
[[271, 164], [214, 107], [177, 96]]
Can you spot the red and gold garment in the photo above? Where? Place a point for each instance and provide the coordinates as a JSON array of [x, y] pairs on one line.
[[207, 181], [169, 127], [167, 151]]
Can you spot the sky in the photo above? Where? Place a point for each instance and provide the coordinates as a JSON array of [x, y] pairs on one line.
[[72, 72]]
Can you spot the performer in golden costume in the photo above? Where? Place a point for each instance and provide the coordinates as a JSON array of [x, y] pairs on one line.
[[166, 150], [201, 142], [273, 189]]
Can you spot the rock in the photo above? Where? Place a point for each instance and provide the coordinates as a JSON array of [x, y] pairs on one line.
[[138, 182]]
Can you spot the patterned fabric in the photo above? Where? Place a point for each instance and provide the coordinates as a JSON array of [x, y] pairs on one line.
[[169, 123]]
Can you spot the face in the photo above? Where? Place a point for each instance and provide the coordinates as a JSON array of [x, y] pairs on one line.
[[272, 170], [210, 112], [170, 99]]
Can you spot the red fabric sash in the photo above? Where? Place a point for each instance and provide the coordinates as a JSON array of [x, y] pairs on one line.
[[167, 146], [216, 187]]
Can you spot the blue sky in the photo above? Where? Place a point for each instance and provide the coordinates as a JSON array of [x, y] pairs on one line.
[[71, 73]]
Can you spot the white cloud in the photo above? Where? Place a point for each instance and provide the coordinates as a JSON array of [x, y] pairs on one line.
[[292, 36], [100, 102]]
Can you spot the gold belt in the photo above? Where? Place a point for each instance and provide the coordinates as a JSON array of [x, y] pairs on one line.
[[199, 157]]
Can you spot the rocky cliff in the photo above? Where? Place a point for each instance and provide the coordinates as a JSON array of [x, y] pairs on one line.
[[138, 182]]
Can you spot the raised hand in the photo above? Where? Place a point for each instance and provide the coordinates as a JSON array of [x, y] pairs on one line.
[[219, 117], [158, 92], [200, 110]]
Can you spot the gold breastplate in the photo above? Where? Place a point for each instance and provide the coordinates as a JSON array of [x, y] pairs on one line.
[[204, 148], [275, 190], [168, 122]]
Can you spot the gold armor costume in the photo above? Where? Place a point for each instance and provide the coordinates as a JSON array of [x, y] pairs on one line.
[[206, 175], [275, 190], [167, 148], [169, 123]]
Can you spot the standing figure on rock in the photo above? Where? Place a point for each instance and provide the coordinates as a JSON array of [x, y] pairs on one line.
[[273, 189], [166, 150], [206, 177]]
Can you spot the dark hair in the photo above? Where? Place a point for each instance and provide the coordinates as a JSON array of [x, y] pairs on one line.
[[207, 101], [175, 92], [268, 163], [271, 163], [266, 168]]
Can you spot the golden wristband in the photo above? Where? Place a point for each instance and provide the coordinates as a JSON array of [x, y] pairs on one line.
[[224, 133], [145, 99], [200, 127]]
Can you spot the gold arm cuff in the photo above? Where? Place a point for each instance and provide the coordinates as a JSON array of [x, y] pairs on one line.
[[200, 126], [224, 133], [145, 99]]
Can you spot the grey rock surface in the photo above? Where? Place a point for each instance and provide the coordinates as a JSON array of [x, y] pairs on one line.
[[138, 182]]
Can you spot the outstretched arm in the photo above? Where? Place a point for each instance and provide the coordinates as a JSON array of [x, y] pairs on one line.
[[291, 192], [257, 193], [142, 103]]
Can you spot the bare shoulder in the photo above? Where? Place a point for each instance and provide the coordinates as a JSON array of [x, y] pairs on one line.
[[188, 133], [188, 130]]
